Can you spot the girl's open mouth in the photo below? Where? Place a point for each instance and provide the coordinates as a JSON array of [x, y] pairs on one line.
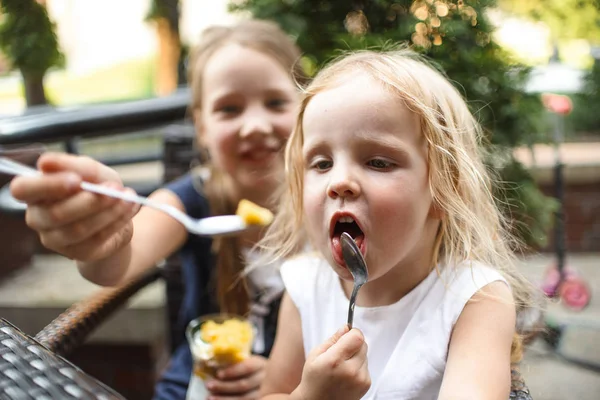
[[346, 223]]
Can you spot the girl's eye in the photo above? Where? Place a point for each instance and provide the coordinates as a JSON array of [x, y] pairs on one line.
[[322, 165], [229, 109], [378, 163], [276, 103]]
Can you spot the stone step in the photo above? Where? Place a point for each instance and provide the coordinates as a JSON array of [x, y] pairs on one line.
[[33, 296]]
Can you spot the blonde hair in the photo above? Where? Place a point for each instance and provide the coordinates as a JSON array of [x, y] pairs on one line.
[[268, 38], [260, 35], [472, 227]]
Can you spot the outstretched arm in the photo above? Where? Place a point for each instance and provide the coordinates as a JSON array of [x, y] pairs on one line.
[[478, 365], [101, 233]]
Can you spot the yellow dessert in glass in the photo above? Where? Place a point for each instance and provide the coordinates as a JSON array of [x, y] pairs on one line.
[[217, 341]]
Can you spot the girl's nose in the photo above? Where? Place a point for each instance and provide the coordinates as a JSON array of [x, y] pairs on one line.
[[343, 185], [255, 124]]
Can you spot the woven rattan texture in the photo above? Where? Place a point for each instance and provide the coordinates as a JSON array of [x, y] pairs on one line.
[[30, 371]]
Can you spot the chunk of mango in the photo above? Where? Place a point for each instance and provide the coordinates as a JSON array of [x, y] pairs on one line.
[[231, 340], [253, 214]]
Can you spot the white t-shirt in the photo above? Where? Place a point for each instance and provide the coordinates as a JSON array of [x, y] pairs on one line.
[[407, 341]]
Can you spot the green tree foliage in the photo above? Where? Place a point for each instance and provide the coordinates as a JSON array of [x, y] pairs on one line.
[[167, 9], [585, 117], [28, 39], [567, 19], [456, 35]]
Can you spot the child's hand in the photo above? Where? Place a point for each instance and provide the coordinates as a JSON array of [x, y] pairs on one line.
[[239, 381], [337, 369], [77, 224]]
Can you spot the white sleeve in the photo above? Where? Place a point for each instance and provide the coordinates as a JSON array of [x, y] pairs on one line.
[[299, 276], [468, 279]]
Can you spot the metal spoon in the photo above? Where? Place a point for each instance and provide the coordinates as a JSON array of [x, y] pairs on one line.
[[356, 264]]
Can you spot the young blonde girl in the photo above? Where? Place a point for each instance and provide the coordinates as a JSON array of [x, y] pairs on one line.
[[386, 149], [244, 100]]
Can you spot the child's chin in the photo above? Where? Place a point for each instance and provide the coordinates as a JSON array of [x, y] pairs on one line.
[[256, 180], [346, 277], [343, 272]]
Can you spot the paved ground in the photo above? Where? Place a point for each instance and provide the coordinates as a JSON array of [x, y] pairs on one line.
[[549, 377]]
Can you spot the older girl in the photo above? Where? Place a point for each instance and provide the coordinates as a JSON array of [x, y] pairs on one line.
[[244, 88]]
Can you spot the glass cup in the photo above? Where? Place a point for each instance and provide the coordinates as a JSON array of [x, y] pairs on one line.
[[216, 341]]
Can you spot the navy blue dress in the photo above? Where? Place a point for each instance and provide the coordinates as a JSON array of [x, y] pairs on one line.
[[198, 266]]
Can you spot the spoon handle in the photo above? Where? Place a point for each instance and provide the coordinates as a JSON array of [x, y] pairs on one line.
[[351, 306]]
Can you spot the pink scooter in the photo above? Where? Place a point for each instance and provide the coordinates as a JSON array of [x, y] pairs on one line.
[[571, 289], [561, 280]]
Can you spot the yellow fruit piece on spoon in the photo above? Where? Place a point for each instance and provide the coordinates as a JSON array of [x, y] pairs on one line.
[[253, 214]]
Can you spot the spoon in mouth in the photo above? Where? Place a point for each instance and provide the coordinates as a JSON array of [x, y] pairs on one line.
[[356, 264]]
